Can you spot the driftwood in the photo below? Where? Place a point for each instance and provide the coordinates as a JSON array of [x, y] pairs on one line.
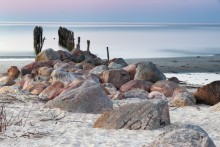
[[66, 38], [38, 39]]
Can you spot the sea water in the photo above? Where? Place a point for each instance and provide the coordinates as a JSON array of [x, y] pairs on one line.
[[126, 40]]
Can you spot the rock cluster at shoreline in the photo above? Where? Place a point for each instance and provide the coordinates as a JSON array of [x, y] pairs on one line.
[[79, 81]]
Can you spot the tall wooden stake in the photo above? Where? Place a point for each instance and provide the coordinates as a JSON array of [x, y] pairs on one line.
[[107, 54], [88, 45]]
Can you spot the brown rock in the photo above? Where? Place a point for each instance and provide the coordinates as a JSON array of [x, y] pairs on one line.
[[146, 115], [28, 68], [116, 77], [8, 89], [208, 94], [51, 91], [6, 81], [88, 66], [182, 97], [31, 86], [13, 72], [165, 87], [145, 85]]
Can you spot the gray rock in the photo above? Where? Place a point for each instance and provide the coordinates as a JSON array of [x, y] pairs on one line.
[[98, 70], [136, 93], [46, 55], [120, 61], [184, 136], [114, 65], [65, 77], [88, 98], [146, 115], [149, 72]]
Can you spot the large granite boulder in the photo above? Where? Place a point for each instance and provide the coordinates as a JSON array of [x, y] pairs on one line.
[[165, 87], [47, 55], [114, 65], [88, 98], [6, 81], [51, 91], [149, 72], [136, 93], [35, 65], [61, 75], [182, 97], [208, 94], [146, 115], [78, 55], [116, 77], [13, 72], [145, 85], [183, 136]]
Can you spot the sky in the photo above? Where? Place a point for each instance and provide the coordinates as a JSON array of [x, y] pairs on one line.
[[150, 11]]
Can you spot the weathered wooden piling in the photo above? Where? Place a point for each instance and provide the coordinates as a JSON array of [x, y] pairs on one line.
[[78, 44], [107, 54], [88, 45], [66, 38], [38, 39]]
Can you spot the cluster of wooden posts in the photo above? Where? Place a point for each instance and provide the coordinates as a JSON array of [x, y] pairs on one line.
[[66, 40]]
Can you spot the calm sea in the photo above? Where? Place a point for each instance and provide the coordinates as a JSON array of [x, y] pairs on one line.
[[131, 40]]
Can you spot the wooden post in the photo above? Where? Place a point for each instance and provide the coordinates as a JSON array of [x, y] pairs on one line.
[[38, 39], [107, 54], [78, 45], [66, 38], [88, 45]]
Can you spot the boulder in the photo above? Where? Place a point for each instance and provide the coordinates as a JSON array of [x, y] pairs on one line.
[[62, 76], [145, 85], [51, 91], [78, 55], [88, 98], [110, 87], [156, 95], [13, 72], [99, 61], [182, 97], [208, 94], [174, 79], [116, 77], [88, 66], [35, 65], [6, 81], [146, 115], [149, 72], [47, 55], [119, 61], [183, 136], [98, 70], [45, 71], [131, 69], [114, 65], [9, 89], [63, 55], [136, 93], [165, 87]]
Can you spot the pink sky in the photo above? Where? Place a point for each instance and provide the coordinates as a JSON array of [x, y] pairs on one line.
[[98, 10]]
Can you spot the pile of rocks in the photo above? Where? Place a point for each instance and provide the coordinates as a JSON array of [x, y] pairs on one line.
[[79, 81]]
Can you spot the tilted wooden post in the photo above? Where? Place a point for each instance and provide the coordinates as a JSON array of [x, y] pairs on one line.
[[88, 45], [38, 39], [66, 38], [107, 54], [78, 44]]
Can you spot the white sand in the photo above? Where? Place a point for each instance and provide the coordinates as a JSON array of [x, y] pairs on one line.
[[41, 128]]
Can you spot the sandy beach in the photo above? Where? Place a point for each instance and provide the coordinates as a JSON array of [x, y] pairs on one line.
[[42, 127]]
